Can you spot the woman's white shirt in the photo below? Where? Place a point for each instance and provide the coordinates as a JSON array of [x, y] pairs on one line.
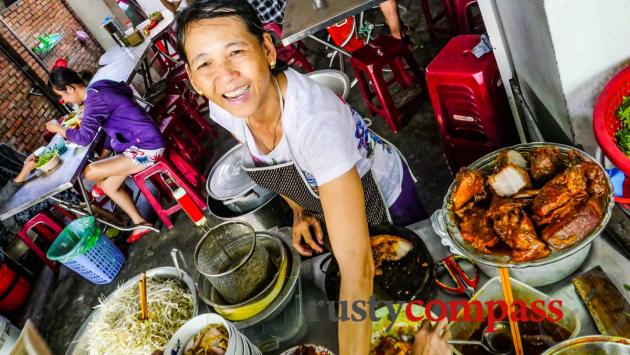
[[324, 135]]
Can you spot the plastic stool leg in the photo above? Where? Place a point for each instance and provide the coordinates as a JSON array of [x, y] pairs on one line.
[[40, 254], [388, 108], [140, 180]]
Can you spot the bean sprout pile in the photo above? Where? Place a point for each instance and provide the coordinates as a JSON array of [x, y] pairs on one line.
[[118, 329]]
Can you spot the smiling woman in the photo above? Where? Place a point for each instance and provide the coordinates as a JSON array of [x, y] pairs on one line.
[[302, 142]]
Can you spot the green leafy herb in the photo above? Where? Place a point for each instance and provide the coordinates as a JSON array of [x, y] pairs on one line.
[[623, 140], [45, 158], [627, 287], [155, 14], [623, 111]]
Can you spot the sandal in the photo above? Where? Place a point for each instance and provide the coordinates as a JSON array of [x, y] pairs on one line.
[[137, 233]]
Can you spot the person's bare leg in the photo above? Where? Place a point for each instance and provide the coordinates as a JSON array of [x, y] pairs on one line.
[[111, 174], [389, 9], [112, 188]]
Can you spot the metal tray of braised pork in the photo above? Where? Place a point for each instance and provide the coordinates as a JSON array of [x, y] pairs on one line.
[[486, 165]]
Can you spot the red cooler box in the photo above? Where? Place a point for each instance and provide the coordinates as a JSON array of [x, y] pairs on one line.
[[469, 102]]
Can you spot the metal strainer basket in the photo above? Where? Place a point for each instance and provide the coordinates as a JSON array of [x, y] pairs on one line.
[[229, 257]]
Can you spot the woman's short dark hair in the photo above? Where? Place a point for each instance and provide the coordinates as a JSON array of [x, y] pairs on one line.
[[210, 9], [61, 78]]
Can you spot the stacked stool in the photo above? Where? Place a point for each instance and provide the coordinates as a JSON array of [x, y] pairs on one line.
[[469, 102], [456, 14], [369, 64]]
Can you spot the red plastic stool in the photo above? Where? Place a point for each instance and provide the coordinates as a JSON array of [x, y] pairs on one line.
[[368, 63], [14, 289], [433, 20], [184, 112], [187, 169], [45, 226], [165, 51], [469, 102], [178, 83], [152, 173], [465, 20], [180, 138], [289, 54]]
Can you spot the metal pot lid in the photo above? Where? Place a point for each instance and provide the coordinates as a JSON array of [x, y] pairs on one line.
[[227, 179], [591, 344]]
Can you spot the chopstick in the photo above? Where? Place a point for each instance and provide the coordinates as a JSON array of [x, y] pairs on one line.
[[142, 286], [506, 284]]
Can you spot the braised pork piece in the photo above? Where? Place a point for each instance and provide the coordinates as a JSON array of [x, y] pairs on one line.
[[544, 162], [477, 230], [563, 203], [516, 229], [470, 184]]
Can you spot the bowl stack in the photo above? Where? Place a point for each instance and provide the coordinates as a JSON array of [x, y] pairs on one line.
[[241, 272], [238, 344]]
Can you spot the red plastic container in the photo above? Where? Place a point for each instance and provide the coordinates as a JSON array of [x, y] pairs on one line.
[[14, 289], [469, 102], [605, 122], [343, 34]]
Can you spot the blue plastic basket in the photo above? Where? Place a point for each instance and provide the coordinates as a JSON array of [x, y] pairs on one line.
[[83, 248], [99, 264]]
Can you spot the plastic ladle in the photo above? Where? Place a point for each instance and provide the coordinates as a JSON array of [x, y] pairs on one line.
[[498, 342]]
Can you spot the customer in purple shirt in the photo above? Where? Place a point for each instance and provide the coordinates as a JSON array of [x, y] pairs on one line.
[[131, 133]]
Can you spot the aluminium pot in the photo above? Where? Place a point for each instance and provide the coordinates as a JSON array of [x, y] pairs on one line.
[[273, 213], [231, 185]]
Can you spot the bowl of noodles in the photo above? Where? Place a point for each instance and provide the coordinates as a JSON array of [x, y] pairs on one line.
[[115, 326]]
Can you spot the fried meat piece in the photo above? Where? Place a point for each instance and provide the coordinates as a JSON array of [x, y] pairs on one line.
[[568, 209], [597, 182], [559, 190], [509, 157], [509, 180], [477, 230], [529, 193], [544, 161], [574, 227], [390, 346], [469, 184], [516, 229], [388, 248]]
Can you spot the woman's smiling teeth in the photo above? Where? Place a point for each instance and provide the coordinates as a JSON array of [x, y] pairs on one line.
[[237, 94]]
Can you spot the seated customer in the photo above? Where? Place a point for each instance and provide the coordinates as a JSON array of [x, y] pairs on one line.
[[132, 134]]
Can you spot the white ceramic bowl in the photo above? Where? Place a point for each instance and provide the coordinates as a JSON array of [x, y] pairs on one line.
[[183, 335], [51, 164]]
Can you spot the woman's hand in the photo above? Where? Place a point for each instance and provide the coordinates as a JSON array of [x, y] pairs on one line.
[[302, 221], [30, 163], [431, 341]]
